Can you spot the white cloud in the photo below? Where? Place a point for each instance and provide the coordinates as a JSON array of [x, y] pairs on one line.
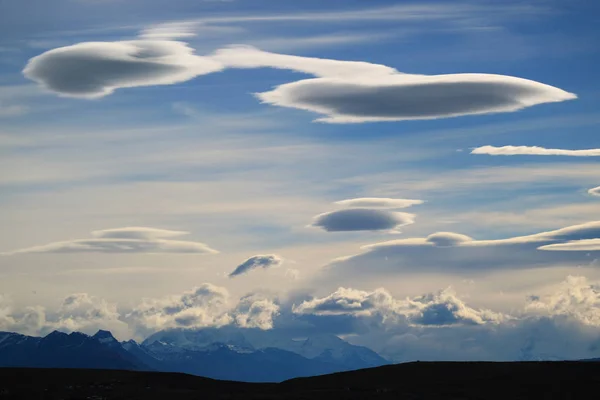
[[378, 202], [85, 313], [534, 151], [575, 297], [124, 240], [433, 309], [250, 57], [202, 306], [362, 219], [574, 245], [258, 261], [595, 191], [453, 252], [97, 69], [255, 312]]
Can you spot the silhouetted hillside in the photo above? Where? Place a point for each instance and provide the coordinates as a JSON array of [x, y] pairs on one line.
[[533, 380]]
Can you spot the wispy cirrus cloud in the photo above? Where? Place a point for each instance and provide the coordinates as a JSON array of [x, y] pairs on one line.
[[124, 240], [533, 151]]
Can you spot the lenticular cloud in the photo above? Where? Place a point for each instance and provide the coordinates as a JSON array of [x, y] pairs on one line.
[[407, 97], [341, 91], [97, 69], [124, 240], [533, 151]]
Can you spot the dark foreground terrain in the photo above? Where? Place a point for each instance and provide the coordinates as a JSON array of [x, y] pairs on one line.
[[534, 380]]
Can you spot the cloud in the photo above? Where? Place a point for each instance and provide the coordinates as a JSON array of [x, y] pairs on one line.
[[562, 324], [343, 91], [253, 311], [594, 191], [258, 261], [251, 57], [434, 309], [400, 97], [533, 151], [124, 240], [85, 313], [97, 69], [378, 202], [362, 219], [454, 252], [575, 297], [574, 245], [199, 307]]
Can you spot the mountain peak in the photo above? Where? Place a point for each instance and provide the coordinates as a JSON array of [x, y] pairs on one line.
[[105, 337]]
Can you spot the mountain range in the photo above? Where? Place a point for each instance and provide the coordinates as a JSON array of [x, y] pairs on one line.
[[220, 353]]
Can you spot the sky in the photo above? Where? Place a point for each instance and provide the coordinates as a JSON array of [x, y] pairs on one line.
[[421, 178]]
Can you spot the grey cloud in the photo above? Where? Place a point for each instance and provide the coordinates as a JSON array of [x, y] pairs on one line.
[[594, 191], [97, 69], [124, 240], [405, 97], [362, 219], [344, 92], [258, 261]]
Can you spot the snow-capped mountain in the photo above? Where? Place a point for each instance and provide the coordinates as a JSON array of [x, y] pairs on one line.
[[244, 355], [325, 348]]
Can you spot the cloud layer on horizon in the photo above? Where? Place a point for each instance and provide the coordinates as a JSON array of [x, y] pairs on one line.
[[124, 240], [563, 323], [533, 151]]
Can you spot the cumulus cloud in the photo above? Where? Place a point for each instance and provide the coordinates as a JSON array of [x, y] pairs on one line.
[[124, 240], [254, 311], [199, 307], [362, 219], [97, 69], [255, 262], [433, 309], [28, 321], [378, 202], [594, 191], [576, 297], [533, 151], [342, 91], [449, 251], [85, 313]]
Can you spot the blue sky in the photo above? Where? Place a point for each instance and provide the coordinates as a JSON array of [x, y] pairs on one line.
[[253, 177]]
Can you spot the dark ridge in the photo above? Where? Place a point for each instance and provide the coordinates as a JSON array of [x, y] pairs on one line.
[[419, 380]]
